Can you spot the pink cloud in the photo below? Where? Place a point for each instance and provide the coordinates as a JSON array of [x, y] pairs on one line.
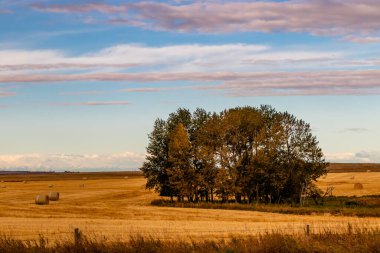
[[234, 83], [89, 7], [63, 66], [367, 39], [92, 92], [328, 17], [362, 78], [5, 11], [6, 93], [156, 89]]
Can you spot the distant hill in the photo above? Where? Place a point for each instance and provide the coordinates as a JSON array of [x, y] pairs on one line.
[[354, 167]]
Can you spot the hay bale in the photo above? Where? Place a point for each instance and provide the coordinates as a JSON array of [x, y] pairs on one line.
[[358, 186], [54, 196], [51, 186], [368, 171], [42, 200], [126, 177], [84, 178]]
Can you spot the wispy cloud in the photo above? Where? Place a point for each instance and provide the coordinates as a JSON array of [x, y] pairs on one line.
[[66, 66], [239, 84], [125, 160], [363, 39], [5, 11], [157, 89], [95, 103], [230, 69], [328, 17], [88, 7], [355, 130], [131, 55], [6, 93], [91, 92]]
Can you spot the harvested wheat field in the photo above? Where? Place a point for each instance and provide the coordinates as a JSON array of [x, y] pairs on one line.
[[115, 207], [344, 183]]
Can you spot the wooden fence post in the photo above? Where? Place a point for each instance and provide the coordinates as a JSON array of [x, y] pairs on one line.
[[76, 235]]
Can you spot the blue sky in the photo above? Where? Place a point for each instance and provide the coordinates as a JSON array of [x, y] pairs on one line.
[[81, 82]]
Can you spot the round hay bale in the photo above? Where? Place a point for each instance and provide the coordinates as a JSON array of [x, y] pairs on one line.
[[42, 200], [368, 170], [54, 196], [358, 186], [126, 177], [84, 178]]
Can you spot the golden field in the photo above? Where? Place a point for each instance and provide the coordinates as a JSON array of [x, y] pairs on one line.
[[343, 183], [115, 207]]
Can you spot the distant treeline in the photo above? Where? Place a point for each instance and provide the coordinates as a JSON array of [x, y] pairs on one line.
[[15, 172], [57, 176], [244, 154], [354, 167]]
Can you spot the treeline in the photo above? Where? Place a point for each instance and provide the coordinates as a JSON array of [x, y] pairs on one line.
[[241, 154]]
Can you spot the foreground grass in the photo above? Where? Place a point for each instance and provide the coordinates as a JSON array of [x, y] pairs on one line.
[[366, 206], [359, 240]]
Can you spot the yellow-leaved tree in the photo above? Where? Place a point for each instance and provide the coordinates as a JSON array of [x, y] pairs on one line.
[[182, 172]]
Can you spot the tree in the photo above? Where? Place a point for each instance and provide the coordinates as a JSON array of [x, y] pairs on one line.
[[157, 161], [301, 157], [245, 152], [181, 173], [208, 152]]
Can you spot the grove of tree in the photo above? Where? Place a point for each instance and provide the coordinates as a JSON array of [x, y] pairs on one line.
[[243, 154]]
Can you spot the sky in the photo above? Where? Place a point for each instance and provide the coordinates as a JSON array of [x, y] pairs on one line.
[[81, 82]]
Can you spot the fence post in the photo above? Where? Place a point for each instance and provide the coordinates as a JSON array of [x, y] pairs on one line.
[[308, 234], [76, 235]]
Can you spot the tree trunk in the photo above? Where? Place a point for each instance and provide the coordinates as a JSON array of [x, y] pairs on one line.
[[238, 198], [257, 193]]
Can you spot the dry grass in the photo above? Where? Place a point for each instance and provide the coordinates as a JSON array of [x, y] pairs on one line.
[[118, 207], [347, 241]]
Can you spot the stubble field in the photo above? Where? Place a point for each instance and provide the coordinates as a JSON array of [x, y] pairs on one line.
[[113, 207]]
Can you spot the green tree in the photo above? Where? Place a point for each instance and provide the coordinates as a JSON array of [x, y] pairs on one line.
[[157, 160]]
